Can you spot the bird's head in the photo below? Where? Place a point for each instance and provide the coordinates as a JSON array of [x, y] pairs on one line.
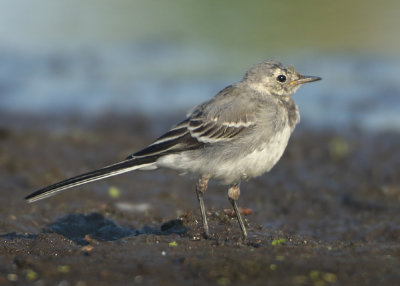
[[271, 77]]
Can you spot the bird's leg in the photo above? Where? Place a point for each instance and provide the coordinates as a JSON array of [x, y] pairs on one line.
[[233, 195], [201, 187]]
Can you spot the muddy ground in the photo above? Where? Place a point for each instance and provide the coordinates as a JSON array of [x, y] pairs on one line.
[[327, 214]]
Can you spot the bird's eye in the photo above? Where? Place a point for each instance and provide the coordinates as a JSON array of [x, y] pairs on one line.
[[281, 78]]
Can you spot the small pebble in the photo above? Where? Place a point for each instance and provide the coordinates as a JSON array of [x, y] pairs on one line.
[[12, 277], [138, 279]]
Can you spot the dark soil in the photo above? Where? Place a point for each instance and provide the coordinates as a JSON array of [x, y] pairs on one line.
[[327, 214]]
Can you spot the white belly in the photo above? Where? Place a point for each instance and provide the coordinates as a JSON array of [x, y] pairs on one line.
[[256, 163], [230, 171]]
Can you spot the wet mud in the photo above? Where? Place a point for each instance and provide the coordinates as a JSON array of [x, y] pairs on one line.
[[327, 214]]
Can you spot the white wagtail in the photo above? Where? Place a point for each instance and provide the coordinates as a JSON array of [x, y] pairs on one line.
[[239, 134]]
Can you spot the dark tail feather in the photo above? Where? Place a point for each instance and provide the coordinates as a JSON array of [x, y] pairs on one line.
[[112, 170]]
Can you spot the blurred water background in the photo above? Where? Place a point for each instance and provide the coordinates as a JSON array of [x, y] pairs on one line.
[[87, 58]]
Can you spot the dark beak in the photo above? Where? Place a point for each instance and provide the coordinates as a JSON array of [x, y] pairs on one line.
[[304, 79]]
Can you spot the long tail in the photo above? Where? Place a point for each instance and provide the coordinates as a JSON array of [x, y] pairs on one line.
[[112, 170]]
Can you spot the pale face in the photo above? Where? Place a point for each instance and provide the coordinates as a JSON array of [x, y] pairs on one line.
[[273, 78]]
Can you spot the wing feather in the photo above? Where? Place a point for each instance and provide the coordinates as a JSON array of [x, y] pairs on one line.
[[225, 117]]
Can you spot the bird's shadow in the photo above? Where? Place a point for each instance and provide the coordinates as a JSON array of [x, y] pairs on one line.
[[77, 227]]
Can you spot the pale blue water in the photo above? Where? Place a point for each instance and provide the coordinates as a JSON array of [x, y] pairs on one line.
[[354, 91]]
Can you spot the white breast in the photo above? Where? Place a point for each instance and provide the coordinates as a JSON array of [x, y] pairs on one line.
[[261, 160]]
